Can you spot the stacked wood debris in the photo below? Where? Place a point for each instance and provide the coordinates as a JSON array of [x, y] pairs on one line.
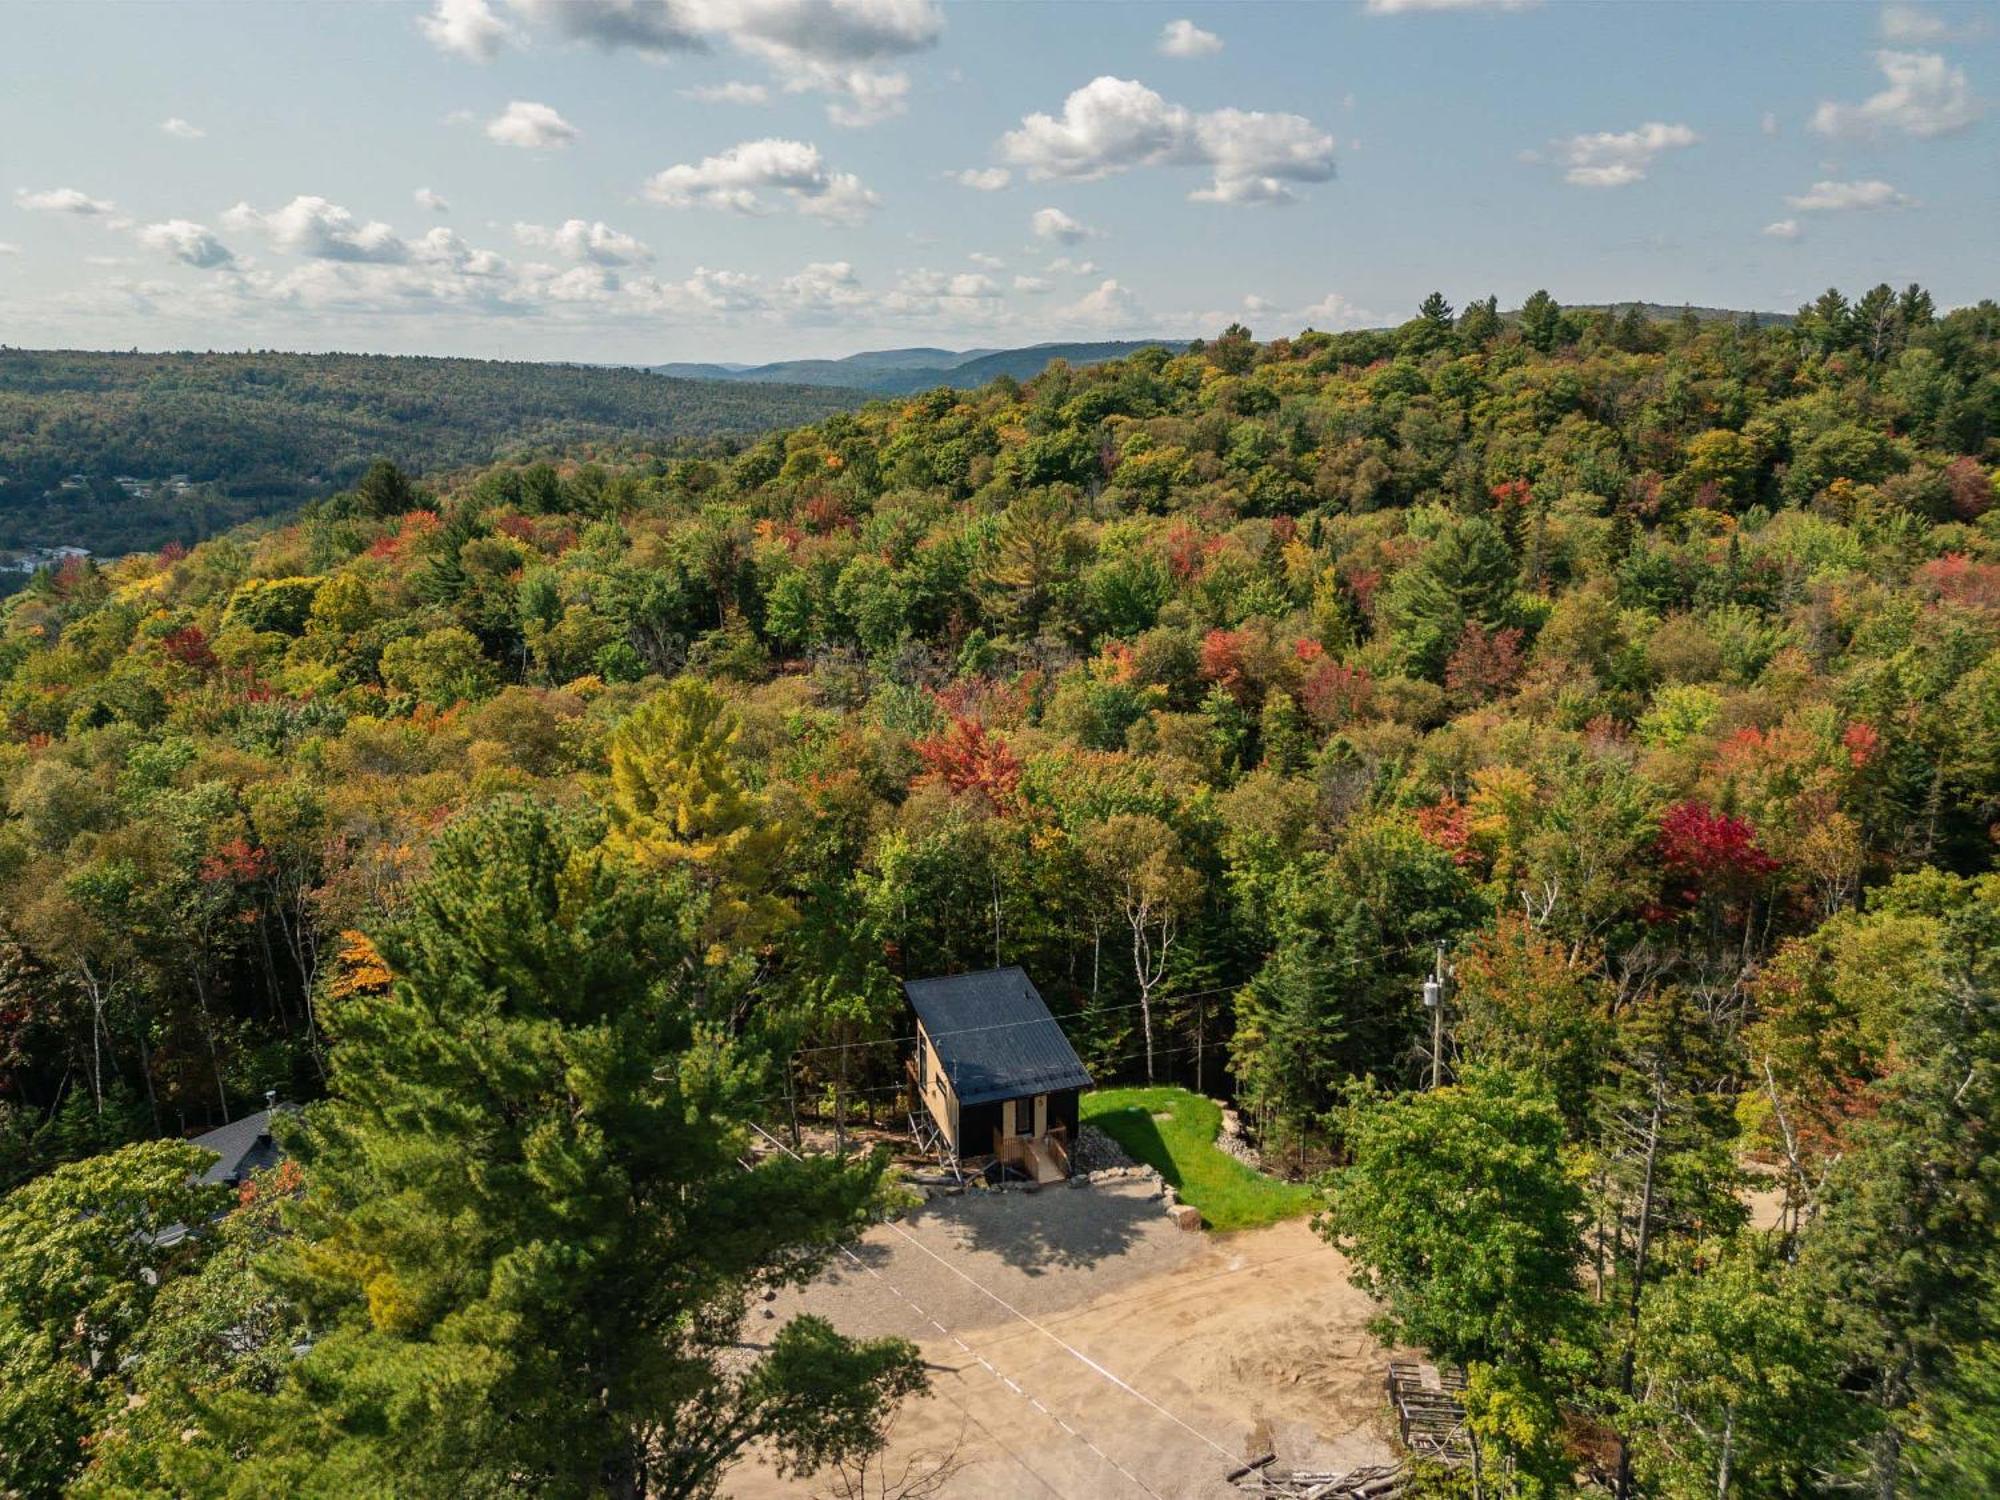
[[1430, 1411], [1372, 1482]]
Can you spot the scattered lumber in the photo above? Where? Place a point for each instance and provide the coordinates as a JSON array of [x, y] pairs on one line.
[[1371, 1482]]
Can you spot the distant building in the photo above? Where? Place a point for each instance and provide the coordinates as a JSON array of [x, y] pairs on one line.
[[993, 1074], [243, 1146]]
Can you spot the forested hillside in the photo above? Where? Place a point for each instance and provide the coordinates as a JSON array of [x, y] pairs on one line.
[[563, 821], [255, 434]]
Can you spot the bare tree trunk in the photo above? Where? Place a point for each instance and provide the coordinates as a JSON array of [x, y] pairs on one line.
[[208, 1036], [1628, 1362]]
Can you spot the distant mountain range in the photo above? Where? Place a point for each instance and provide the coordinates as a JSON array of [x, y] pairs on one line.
[[895, 372], [891, 372]]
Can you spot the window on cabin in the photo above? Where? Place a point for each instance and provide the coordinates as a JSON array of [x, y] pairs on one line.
[[1024, 1116]]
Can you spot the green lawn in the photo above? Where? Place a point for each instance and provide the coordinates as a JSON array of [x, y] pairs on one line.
[[1182, 1147]]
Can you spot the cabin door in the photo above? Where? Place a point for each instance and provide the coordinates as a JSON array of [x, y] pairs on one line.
[[1031, 1116]]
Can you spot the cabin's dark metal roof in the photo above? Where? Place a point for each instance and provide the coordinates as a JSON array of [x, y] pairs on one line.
[[994, 1036], [244, 1146]]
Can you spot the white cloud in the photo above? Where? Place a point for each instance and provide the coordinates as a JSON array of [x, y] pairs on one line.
[[1404, 7], [972, 285], [1185, 39], [1782, 229], [1110, 305], [63, 201], [530, 126], [467, 29], [1113, 125], [833, 47], [7, 247], [1333, 312], [1769, 123], [444, 248], [654, 28], [1905, 23], [822, 290], [729, 93], [736, 178], [1062, 265], [431, 202], [1054, 224], [984, 179], [964, 296], [988, 262], [1604, 159], [188, 242], [1910, 23], [1034, 286], [596, 242], [1926, 97], [1834, 197], [181, 129], [320, 230]]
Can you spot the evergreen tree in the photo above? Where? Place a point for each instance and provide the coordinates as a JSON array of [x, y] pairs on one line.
[[1465, 576], [384, 491], [527, 1239], [1541, 322]]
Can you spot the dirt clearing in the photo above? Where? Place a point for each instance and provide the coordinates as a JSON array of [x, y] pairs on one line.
[[1143, 1360]]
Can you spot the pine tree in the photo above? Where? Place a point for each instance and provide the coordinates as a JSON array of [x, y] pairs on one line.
[[1541, 322], [1466, 575], [526, 1239]]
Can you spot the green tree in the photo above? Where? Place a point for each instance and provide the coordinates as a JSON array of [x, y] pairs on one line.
[[1464, 576], [1460, 1213], [1541, 322], [84, 1251], [527, 1238], [1738, 1382], [384, 491]]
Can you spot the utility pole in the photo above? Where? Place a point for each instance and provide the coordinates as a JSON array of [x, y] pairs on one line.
[[1434, 1003]]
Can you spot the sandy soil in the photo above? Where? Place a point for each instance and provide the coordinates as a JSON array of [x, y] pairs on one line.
[[1144, 1360]]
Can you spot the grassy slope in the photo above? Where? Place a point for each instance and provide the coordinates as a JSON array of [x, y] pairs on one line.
[[1182, 1147]]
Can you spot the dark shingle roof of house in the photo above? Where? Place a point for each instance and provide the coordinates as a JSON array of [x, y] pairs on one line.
[[244, 1146], [994, 1036]]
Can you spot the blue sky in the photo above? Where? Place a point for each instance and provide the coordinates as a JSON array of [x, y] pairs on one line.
[[642, 180]]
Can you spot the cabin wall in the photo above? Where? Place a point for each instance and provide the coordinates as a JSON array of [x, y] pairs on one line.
[[937, 1093]]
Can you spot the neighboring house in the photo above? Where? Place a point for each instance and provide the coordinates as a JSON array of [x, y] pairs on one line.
[[994, 1073], [243, 1146]]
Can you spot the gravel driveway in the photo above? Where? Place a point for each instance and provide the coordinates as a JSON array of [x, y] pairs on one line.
[[1129, 1357]]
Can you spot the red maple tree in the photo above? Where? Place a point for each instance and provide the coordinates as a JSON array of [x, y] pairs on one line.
[[968, 759]]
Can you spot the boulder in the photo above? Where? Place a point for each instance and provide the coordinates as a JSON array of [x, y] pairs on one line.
[[1185, 1216]]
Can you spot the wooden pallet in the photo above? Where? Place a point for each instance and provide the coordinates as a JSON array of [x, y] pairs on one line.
[[1430, 1416]]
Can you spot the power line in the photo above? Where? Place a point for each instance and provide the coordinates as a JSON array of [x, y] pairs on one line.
[[1070, 1349], [897, 1088], [971, 1353], [1106, 1010]]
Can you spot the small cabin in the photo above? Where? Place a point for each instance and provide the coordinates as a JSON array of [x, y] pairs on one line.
[[994, 1073]]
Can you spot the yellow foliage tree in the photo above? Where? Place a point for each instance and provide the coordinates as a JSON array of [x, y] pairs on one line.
[[678, 802]]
